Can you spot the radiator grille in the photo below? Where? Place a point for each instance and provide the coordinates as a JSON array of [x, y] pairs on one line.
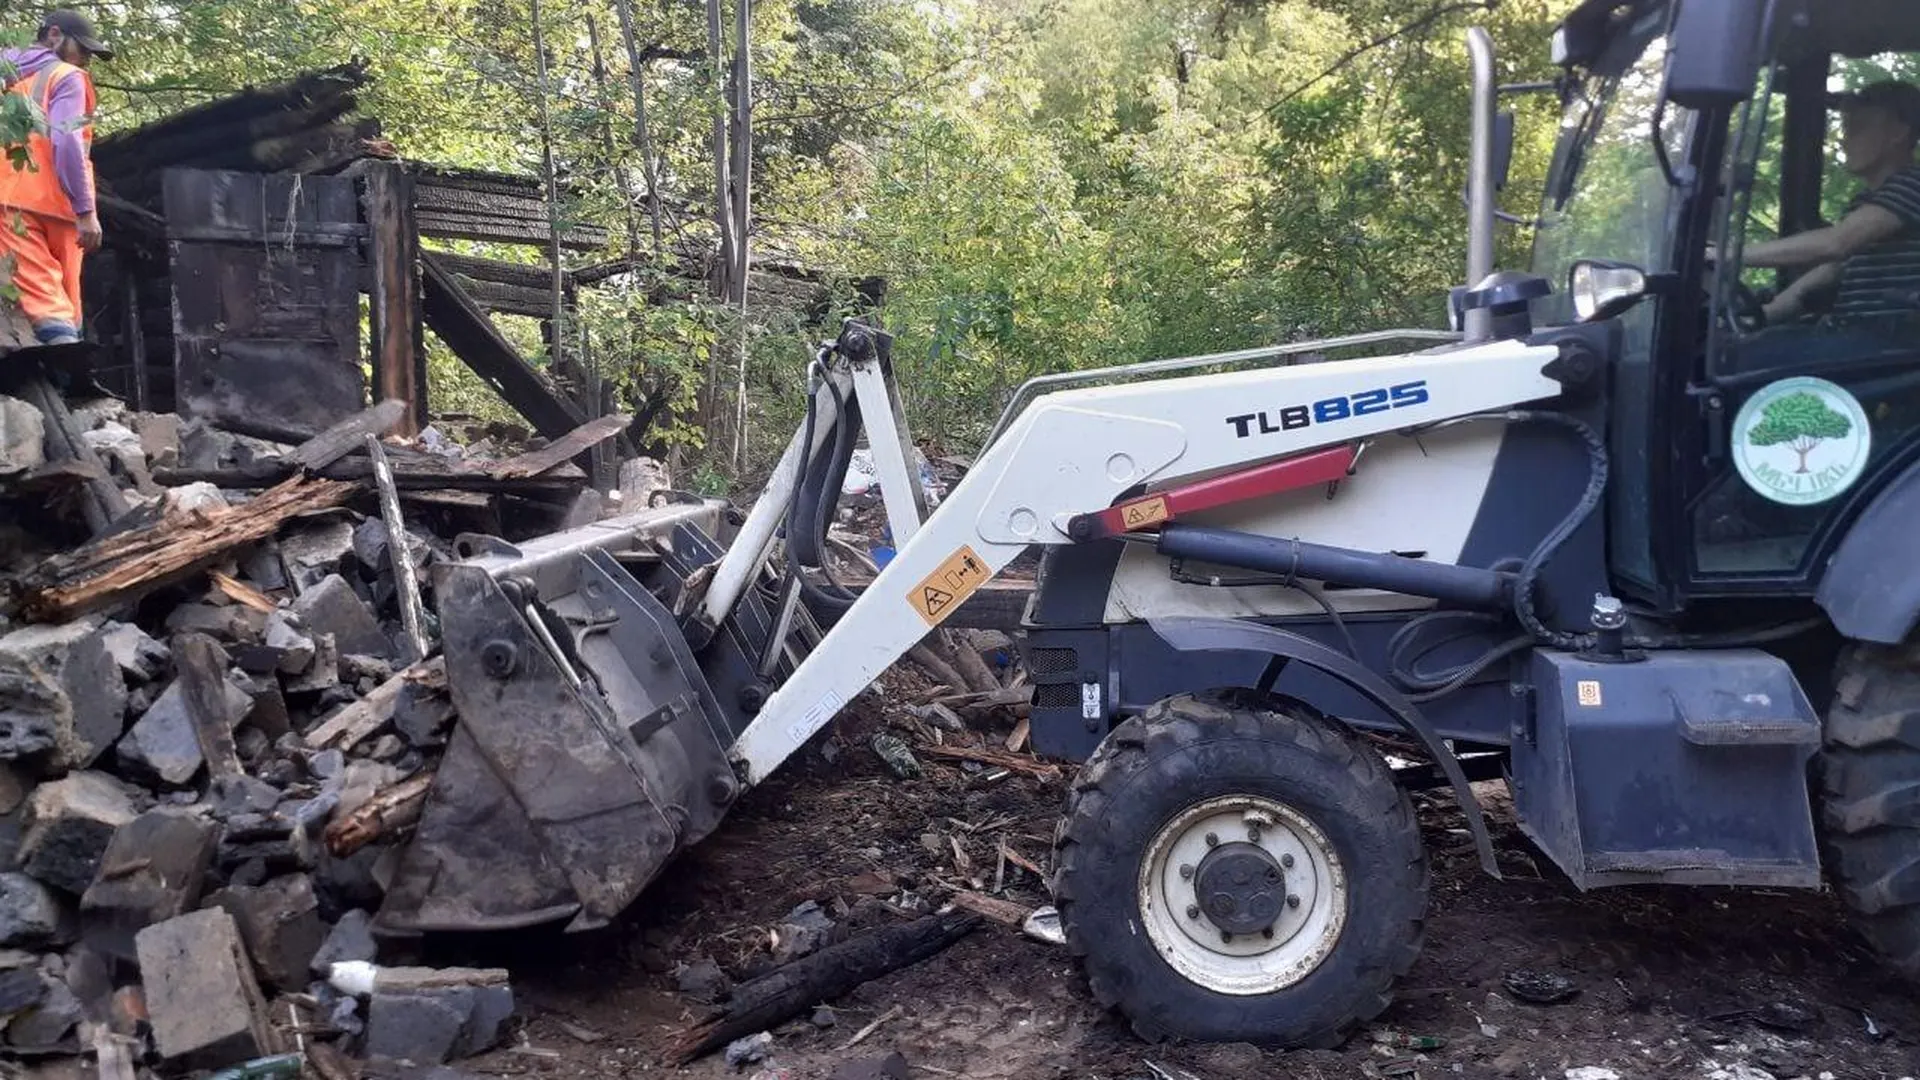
[[1052, 661]]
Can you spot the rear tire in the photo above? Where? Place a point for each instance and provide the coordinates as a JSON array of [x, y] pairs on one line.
[[1159, 808], [1870, 797]]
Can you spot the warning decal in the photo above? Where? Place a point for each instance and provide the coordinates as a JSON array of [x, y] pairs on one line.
[[1146, 512], [949, 585]]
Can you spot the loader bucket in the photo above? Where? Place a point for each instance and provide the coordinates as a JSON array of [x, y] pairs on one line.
[[590, 746]]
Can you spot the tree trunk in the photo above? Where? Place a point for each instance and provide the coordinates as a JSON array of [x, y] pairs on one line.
[[742, 186], [723, 219], [642, 135], [553, 187]]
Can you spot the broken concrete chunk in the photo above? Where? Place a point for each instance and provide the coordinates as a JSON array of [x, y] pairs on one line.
[[23, 435], [243, 794], [430, 1016], [702, 979], [74, 656], [33, 711], [152, 870], [327, 764], [119, 443], [805, 929], [351, 939], [354, 668], [268, 715], [230, 624], [32, 916], [287, 635], [324, 674], [161, 747], [332, 607], [370, 546], [21, 987], [70, 822], [90, 415], [204, 447], [312, 551], [280, 923], [194, 498], [159, 437], [361, 781], [206, 1008], [140, 657], [44, 1026]]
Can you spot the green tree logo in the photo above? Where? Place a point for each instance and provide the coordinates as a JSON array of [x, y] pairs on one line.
[[1800, 421]]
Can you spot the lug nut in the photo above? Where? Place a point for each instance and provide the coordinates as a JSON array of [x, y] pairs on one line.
[[1193, 911], [1293, 901], [1253, 833], [1267, 933], [1186, 871], [1212, 840], [1286, 861], [1226, 937]]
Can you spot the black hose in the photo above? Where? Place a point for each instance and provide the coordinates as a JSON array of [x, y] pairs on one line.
[[826, 608], [1549, 546]]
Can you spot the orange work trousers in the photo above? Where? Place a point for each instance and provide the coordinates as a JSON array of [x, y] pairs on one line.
[[45, 257]]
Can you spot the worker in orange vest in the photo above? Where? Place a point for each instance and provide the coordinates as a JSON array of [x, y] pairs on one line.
[[50, 216]]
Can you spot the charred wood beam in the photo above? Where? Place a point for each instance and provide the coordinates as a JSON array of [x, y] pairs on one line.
[[201, 147], [125, 566], [494, 271], [447, 225], [277, 97], [459, 322], [399, 361], [510, 299]]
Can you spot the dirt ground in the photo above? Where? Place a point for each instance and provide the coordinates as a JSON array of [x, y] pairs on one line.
[[1698, 983]]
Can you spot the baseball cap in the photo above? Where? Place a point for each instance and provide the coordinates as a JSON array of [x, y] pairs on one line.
[[80, 29], [1902, 99]]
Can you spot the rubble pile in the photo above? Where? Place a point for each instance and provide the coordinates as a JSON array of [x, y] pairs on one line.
[[203, 783]]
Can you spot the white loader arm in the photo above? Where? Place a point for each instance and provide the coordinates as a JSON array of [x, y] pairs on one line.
[[1076, 451]]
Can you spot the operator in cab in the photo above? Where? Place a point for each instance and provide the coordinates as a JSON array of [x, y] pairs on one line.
[[1868, 262]]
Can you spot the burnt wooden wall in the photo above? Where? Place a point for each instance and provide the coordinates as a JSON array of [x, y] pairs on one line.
[[265, 273]]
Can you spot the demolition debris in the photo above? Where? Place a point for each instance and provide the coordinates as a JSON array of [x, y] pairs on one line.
[[220, 707]]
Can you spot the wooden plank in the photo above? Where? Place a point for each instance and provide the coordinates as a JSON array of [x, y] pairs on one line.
[[241, 593], [399, 362], [413, 615], [202, 667], [102, 502], [346, 436], [347, 727], [569, 446], [560, 482], [123, 567], [1004, 912], [452, 315], [383, 815]]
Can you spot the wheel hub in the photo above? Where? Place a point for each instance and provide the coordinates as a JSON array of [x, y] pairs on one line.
[[1241, 888]]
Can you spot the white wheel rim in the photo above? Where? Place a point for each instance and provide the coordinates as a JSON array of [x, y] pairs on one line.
[[1248, 964]]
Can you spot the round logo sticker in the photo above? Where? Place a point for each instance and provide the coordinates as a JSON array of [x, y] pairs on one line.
[[1801, 441]]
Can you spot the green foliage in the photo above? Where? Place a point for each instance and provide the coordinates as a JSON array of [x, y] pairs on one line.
[[1801, 421], [1046, 185]]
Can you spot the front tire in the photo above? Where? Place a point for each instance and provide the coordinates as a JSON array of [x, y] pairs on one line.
[[1870, 798], [1228, 872]]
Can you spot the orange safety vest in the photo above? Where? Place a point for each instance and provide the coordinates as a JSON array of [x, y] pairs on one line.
[[37, 188]]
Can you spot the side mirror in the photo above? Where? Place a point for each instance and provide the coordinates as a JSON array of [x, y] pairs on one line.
[[1603, 289], [1713, 52]]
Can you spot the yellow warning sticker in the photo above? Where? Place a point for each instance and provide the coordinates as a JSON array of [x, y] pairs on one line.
[[1588, 691], [1146, 512], [949, 585]]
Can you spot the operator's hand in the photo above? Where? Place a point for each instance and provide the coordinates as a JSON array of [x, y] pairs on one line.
[[90, 235]]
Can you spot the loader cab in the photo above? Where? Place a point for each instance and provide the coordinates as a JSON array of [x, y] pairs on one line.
[[1743, 447]]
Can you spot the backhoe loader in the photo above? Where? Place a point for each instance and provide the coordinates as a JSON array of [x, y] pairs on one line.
[[1606, 536]]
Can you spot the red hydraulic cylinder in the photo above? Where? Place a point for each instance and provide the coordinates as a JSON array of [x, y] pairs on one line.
[[1149, 511]]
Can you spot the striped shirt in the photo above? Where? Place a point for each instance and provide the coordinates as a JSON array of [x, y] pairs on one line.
[[1884, 280]]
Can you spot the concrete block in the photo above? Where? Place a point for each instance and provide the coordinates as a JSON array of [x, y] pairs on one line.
[[44, 1027], [332, 607], [23, 437], [140, 657], [152, 871], [287, 636], [159, 437], [90, 709], [421, 1027], [32, 916], [206, 1008], [231, 624], [161, 747], [280, 924], [70, 822], [313, 550], [350, 939], [323, 674]]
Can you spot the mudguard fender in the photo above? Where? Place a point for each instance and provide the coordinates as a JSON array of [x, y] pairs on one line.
[[1195, 634], [1869, 589]]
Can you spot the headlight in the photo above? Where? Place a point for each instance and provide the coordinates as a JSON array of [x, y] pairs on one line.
[[1601, 290]]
